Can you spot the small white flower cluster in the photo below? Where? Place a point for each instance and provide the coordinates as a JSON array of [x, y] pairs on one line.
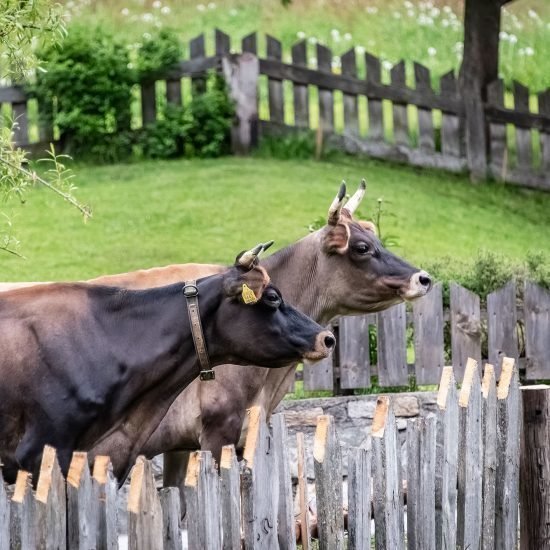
[[527, 51], [209, 6], [508, 37]]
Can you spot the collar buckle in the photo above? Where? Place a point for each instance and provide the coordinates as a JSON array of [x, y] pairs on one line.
[[207, 374], [190, 290]]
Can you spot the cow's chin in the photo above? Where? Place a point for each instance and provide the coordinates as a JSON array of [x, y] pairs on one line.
[[314, 356], [411, 294]]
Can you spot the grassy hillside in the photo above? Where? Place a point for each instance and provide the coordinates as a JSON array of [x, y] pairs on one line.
[[155, 213]]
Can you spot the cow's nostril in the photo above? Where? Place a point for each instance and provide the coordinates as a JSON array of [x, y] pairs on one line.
[[424, 280], [330, 341]]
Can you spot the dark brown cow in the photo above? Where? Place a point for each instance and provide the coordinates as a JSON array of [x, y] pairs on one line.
[[81, 363]]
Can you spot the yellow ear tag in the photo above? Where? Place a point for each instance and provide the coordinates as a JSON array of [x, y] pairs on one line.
[[248, 295]]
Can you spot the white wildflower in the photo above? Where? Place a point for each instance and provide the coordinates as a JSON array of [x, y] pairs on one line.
[[396, 15], [512, 38], [529, 51], [503, 35], [201, 7], [434, 12], [532, 14], [411, 13], [335, 33], [431, 51], [360, 50], [130, 65], [233, 12], [408, 5], [157, 4], [146, 36], [445, 23], [336, 62], [425, 20], [312, 40], [165, 10], [125, 11], [148, 17], [301, 35], [211, 5], [371, 9], [386, 65], [348, 36], [448, 10], [458, 47]]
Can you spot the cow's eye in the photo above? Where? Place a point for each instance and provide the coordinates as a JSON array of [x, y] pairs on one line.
[[361, 248], [272, 298]]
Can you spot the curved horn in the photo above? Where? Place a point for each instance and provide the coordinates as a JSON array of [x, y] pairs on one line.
[[247, 259], [266, 245], [336, 206], [355, 200]]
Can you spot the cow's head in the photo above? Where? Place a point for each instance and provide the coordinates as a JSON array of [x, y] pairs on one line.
[[359, 274], [258, 327]]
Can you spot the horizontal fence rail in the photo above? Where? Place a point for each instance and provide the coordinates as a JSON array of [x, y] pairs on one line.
[[455, 483], [431, 135]]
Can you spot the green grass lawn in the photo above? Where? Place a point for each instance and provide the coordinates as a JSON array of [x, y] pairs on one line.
[[155, 213]]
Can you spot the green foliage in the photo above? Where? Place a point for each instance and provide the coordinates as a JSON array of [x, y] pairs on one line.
[[163, 138], [157, 53], [86, 92], [300, 145]]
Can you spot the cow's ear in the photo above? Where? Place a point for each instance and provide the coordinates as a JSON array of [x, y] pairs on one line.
[[369, 226], [247, 287], [336, 239]]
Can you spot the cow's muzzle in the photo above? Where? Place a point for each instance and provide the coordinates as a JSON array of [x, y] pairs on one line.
[[324, 344], [419, 285]]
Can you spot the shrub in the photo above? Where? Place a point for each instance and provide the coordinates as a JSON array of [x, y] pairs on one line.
[[86, 93], [163, 138], [158, 53]]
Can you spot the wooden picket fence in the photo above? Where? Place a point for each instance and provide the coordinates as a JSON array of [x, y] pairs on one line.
[[500, 324], [461, 490], [435, 138]]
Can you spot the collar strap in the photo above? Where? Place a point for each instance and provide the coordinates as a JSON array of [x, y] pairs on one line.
[[191, 293]]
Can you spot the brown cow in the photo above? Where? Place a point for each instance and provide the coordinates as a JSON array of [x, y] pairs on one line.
[[79, 363]]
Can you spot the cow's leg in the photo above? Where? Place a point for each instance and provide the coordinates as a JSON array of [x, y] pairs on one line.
[[173, 473]]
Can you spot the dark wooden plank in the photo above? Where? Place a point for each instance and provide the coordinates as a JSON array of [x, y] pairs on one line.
[[326, 101], [13, 94], [536, 307], [497, 133], [286, 528], [327, 462], [524, 146], [450, 123], [303, 500], [21, 120], [508, 457], [222, 42], [148, 103], [50, 503], [4, 514], [173, 92], [374, 106], [197, 50], [230, 498], [387, 484], [171, 518], [428, 336], [400, 119], [105, 486], [353, 350], [351, 113], [275, 86], [446, 461], [517, 118], [501, 325], [544, 110], [300, 91], [465, 328], [22, 517], [249, 43], [425, 119], [359, 498], [392, 347]]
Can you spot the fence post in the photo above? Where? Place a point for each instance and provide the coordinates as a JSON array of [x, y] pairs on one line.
[[535, 468], [22, 520], [230, 498], [241, 73], [4, 515], [302, 492], [327, 460], [359, 497], [171, 518], [51, 504], [144, 511], [388, 488], [105, 487]]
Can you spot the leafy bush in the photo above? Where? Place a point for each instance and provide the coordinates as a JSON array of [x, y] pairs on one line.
[[163, 138], [158, 52], [299, 145], [86, 93]]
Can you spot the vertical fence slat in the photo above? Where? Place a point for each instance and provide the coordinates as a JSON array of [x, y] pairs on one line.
[[400, 120], [536, 307], [196, 50], [524, 146], [275, 86], [250, 43], [353, 349], [413, 483], [359, 498], [300, 91], [489, 393], [544, 109], [497, 133], [222, 42], [171, 518], [425, 118], [50, 503], [148, 103], [392, 350], [326, 101], [319, 375], [259, 485], [144, 511], [305, 536], [230, 498], [286, 529], [22, 517], [374, 106], [446, 461], [20, 116], [535, 468], [501, 325], [327, 462], [173, 92], [470, 460], [508, 444], [351, 113], [465, 328], [202, 495], [4, 514], [450, 123], [105, 487], [428, 336], [81, 505], [388, 488]]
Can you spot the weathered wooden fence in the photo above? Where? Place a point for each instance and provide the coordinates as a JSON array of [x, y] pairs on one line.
[[459, 475], [502, 329], [434, 138]]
